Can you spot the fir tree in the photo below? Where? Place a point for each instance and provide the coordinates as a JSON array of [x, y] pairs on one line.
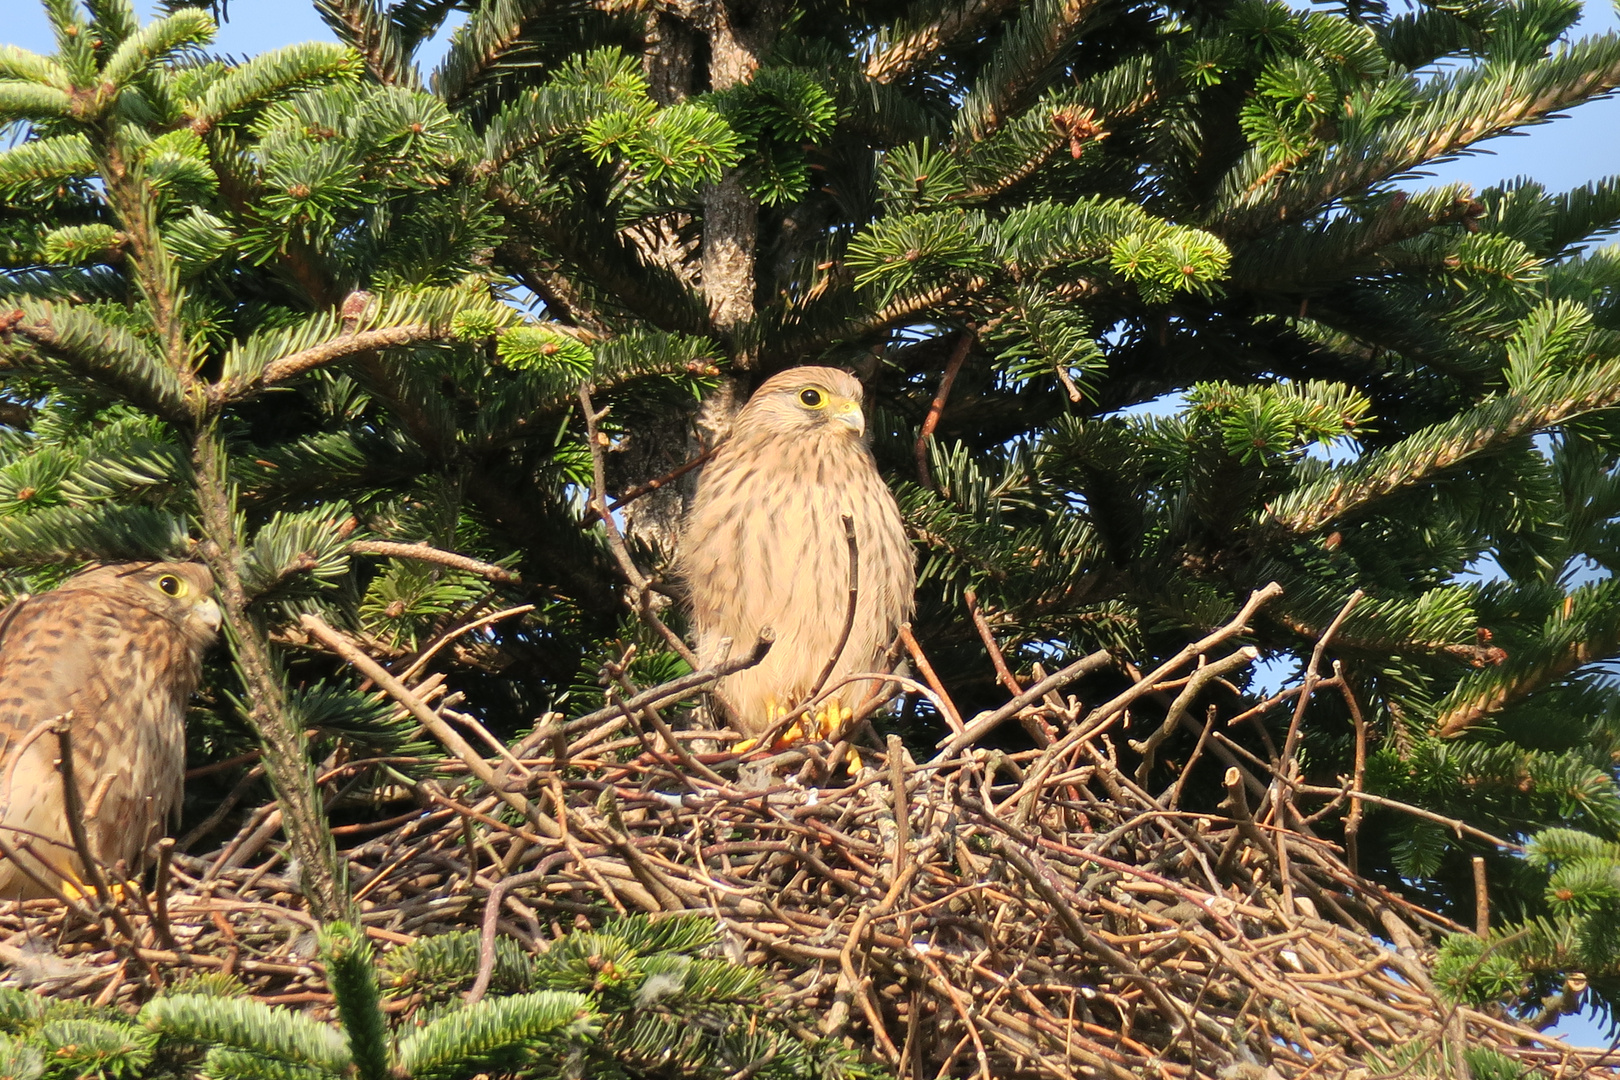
[[293, 310]]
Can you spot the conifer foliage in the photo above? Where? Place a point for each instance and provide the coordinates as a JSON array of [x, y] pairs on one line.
[[634, 999], [294, 313]]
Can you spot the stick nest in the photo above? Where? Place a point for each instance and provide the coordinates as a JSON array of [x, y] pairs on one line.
[[979, 913]]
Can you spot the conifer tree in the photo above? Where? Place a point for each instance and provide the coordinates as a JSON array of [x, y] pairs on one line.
[[296, 310]]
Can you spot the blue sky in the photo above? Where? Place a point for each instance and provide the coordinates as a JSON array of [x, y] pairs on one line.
[[1562, 154], [1568, 152]]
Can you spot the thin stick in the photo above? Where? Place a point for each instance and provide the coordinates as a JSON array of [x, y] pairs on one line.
[[1199, 679], [651, 485], [235, 795], [986, 722], [675, 689], [964, 345], [682, 754], [638, 581], [428, 553], [477, 624], [953, 718], [902, 812], [768, 740], [1457, 826], [1482, 899], [1192, 759], [45, 885], [1239, 623], [1313, 676], [429, 719], [62, 726], [849, 606], [990, 645], [74, 808], [1358, 779], [160, 901], [492, 918]]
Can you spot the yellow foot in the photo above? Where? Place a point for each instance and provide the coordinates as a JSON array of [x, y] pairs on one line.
[[74, 890], [822, 724]]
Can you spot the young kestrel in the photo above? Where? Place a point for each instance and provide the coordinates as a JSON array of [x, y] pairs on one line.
[[119, 647], [764, 546]]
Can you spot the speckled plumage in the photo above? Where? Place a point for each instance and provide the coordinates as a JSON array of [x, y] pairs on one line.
[[764, 545], [121, 646]]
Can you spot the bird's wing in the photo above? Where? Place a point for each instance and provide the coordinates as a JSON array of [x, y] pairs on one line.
[[45, 669]]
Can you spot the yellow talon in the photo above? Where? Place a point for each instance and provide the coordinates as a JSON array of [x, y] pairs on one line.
[[822, 725], [74, 890]]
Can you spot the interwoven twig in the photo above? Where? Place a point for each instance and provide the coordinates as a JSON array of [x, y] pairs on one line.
[[1028, 914]]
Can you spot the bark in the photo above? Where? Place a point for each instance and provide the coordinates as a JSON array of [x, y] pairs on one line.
[[739, 36], [286, 755]]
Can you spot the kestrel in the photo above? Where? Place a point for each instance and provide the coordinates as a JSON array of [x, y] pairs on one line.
[[764, 546], [118, 650]]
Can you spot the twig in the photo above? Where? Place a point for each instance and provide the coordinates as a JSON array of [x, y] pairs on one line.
[[651, 485], [160, 902], [849, 607], [964, 345], [1257, 599], [234, 796], [1312, 677], [1457, 826], [492, 915], [947, 707], [1358, 778], [428, 553], [1192, 759], [768, 739], [987, 722], [990, 645], [682, 754], [639, 586], [62, 726], [429, 719], [675, 689], [1201, 678], [44, 884], [74, 808]]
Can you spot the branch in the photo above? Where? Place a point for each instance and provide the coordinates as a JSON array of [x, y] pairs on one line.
[[278, 371], [74, 809], [986, 722], [428, 718], [907, 51], [360, 24], [427, 553], [675, 689], [640, 592], [937, 407], [1521, 684], [1429, 452], [1456, 825]]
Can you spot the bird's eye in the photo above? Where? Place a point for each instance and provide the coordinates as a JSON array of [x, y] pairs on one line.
[[171, 585], [811, 398]]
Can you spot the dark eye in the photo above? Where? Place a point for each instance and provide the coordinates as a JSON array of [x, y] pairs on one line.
[[811, 398], [171, 585]]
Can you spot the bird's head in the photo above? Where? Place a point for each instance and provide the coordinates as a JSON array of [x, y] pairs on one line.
[[180, 592], [805, 401]]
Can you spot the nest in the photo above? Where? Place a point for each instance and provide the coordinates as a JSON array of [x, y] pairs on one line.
[[978, 913]]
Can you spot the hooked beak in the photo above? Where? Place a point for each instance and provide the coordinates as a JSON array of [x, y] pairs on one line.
[[208, 611], [850, 413]]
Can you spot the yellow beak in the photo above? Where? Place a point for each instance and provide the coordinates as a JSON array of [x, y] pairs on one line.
[[849, 412]]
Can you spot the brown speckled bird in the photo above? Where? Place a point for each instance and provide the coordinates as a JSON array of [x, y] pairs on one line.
[[764, 545], [121, 647]]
